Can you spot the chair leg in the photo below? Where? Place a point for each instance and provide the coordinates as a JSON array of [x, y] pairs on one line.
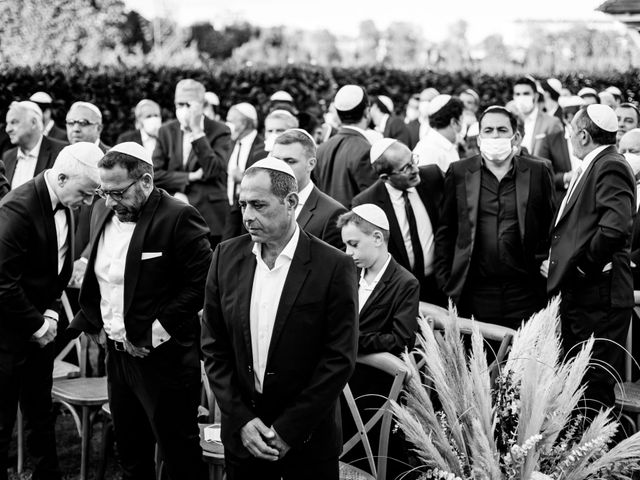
[[20, 428], [107, 439], [85, 443]]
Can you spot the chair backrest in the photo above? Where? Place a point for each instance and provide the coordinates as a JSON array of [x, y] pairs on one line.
[[393, 366]]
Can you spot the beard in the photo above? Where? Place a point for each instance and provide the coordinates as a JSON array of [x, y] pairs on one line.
[[131, 213]]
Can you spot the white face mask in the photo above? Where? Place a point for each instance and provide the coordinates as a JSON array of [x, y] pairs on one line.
[[151, 125], [269, 142], [634, 161], [524, 103], [496, 149], [182, 114]]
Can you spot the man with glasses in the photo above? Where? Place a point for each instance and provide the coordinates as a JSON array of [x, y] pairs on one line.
[[495, 217], [409, 196], [144, 286], [84, 124]]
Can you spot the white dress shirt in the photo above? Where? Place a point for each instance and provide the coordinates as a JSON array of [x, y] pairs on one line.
[[303, 196], [370, 135], [365, 289], [423, 222], [434, 148], [148, 142], [529, 127], [238, 161], [25, 165], [265, 298]]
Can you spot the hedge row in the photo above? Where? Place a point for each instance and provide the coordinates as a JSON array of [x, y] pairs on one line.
[[116, 90]]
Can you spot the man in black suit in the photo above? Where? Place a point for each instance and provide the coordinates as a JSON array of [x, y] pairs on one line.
[[389, 125], [141, 295], [36, 238], [33, 152], [410, 198], [279, 337], [589, 256], [494, 222], [343, 160], [148, 120], [51, 130], [191, 156], [316, 213]]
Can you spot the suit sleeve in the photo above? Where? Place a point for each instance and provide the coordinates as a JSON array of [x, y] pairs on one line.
[[446, 233], [218, 351], [615, 202], [545, 213], [17, 312], [404, 324], [193, 256], [172, 181], [297, 422], [213, 155], [362, 173]]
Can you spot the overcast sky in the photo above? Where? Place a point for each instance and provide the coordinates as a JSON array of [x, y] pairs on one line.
[[343, 16]]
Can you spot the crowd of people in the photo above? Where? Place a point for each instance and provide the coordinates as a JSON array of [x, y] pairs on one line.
[[277, 250]]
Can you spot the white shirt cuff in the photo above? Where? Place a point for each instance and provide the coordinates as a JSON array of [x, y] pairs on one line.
[[158, 334], [42, 330], [51, 314]]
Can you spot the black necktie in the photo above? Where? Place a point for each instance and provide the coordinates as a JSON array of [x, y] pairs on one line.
[[418, 264], [235, 183]]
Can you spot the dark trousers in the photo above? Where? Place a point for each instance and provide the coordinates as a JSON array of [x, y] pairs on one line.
[[152, 401], [26, 377], [586, 310], [291, 467]]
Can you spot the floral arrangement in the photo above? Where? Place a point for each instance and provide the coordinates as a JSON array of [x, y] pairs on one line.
[[524, 427]]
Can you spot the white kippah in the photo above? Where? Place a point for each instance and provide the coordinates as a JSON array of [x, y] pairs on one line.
[[572, 101], [437, 103], [372, 214], [379, 147], [247, 110], [387, 102], [603, 116], [555, 84], [28, 105], [87, 153], [281, 96], [613, 90], [41, 97], [272, 163], [587, 91], [348, 98], [134, 149], [89, 106], [212, 99]]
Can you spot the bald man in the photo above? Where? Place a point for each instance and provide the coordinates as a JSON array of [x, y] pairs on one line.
[[148, 121], [33, 152], [84, 124], [190, 159]]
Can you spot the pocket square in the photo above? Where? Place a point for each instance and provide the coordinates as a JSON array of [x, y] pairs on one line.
[[150, 255]]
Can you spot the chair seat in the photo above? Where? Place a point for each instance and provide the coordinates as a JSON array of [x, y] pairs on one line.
[[62, 369], [81, 391], [212, 451], [349, 472], [628, 396]]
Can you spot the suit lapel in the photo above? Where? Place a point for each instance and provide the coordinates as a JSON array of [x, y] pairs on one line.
[[43, 156], [472, 179], [523, 177], [49, 223], [296, 277], [379, 288], [306, 213], [134, 254], [244, 281], [10, 165]]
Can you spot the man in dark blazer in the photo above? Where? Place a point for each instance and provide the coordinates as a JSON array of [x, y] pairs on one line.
[[343, 160], [51, 130], [400, 180], [589, 256], [142, 291], [493, 233], [33, 152], [148, 119], [36, 238], [279, 337], [190, 159]]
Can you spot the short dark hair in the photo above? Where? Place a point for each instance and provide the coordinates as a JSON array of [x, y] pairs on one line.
[[527, 81], [442, 118], [364, 225], [598, 135], [135, 167], [513, 120], [356, 113], [282, 184], [296, 136], [633, 107]]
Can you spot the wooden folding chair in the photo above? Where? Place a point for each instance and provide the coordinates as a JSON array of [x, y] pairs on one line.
[[377, 462]]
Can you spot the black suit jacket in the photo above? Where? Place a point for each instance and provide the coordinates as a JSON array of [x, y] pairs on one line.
[[430, 191], [396, 128], [312, 351], [210, 153], [414, 133], [389, 317], [130, 136], [344, 167], [319, 216], [168, 287], [5, 186], [595, 229], [29, 280], [459, 215], [549, 143], [49, 150]]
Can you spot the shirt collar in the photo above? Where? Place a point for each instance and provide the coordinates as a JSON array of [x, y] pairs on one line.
[[303, 195], [591, 156], [34, 151], [396, 193], [287, 252], [371, 286], [440, 139], [52, 195]]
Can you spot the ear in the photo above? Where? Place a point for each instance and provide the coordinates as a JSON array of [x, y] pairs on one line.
[[147, 180], [378, 237], [292, 200], [62, 179], [312, 162]]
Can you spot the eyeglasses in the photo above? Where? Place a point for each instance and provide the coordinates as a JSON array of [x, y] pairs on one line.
[[80, 123], [408, 167], [116, 195]]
